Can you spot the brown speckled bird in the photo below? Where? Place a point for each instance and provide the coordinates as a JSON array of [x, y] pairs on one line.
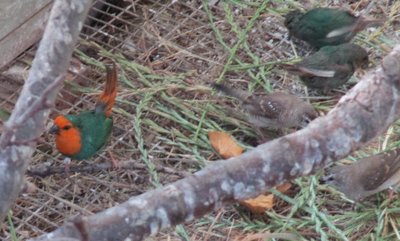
[[367, 176], [275, 110]]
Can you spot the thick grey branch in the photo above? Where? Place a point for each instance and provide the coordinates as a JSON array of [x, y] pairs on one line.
[[363, 113], [27, 121]]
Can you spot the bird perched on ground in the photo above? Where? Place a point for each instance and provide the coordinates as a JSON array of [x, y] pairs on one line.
[[330, 67], [326, 26], [275, 110], [367, 176], [83, 135]]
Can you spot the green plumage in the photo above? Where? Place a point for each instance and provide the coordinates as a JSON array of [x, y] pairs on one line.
[[95, 129], [342, 60], [83, 135], [316, 26]]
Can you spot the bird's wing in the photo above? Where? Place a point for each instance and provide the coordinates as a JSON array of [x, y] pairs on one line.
[[340, 31], [268, 106], [319, 64], [320, 23], [346, 24], [380, 168], [343, 71], [302, 70], [306, 71]]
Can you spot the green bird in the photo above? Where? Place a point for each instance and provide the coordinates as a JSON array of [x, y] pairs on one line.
[[83, 135], [326, 26], [330, 67]]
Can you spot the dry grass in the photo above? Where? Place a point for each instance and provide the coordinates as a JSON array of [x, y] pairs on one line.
[[168, 52]]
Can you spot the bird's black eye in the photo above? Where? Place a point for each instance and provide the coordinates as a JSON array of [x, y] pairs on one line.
[[66, 127]]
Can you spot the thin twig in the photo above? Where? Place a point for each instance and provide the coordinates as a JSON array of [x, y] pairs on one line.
[[43, 170]]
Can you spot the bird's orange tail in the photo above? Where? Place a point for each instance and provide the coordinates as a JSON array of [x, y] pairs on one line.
[[107, 98]]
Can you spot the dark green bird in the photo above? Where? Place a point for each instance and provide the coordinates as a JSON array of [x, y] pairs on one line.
[[326, 26], [330, 67]]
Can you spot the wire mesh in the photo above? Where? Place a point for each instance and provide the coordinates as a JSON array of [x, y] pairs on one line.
[[133, 30], [167, 52]]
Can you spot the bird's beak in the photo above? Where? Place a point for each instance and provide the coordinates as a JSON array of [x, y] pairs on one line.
[[54, 130], [306, 120]]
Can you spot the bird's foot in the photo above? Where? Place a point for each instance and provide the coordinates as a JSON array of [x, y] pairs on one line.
[[67, 164], [261, 136], [391, 194], [114, 162]]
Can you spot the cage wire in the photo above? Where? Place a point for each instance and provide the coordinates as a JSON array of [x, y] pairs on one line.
[[167, 53]]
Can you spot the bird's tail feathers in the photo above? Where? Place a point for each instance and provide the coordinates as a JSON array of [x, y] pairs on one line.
[[365, 22], [107, 98], [291, 68], [303, 71], [238, 94], [361, 24]]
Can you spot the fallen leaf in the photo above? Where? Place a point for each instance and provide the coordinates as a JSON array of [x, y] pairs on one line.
[[265, 201], [224, 144], [259, 204]]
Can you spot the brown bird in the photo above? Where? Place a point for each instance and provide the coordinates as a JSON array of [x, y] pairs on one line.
[[275, 110], [367, 176], [330, 67]]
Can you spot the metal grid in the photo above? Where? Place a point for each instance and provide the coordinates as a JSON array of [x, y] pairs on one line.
[[116, 26], [171, 38]]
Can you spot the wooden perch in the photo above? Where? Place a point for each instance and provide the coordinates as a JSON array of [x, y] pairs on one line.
[[27, 121], [362, 114]]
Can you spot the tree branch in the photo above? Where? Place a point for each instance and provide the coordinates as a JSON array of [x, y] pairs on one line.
[[27, 121], [362, 114]]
